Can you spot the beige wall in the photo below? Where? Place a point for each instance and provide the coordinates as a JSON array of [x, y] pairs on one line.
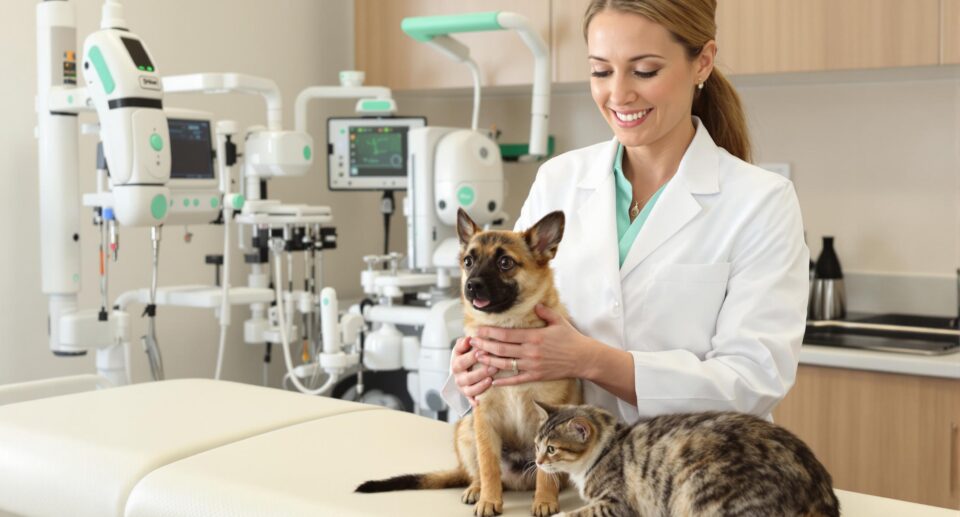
[[297, 43]]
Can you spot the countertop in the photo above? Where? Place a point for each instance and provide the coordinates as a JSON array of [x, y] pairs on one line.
[[947, 366], [853, 504]]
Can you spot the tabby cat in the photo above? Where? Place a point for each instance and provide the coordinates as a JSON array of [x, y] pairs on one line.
[[704, 464]]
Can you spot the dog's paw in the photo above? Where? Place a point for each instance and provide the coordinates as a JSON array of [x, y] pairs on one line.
[[488, 508], [470, 495], [544, 508]]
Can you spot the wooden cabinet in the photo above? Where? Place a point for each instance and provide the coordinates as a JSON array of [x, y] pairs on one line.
[[754, 36], [763, 36], [883, 434], [769, 36], [950, 32], [391, 58]]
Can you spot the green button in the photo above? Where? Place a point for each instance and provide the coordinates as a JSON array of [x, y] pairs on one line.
[[214, 202], [306, 152], [238, 202], [186, 202], [159, 206], [156, 142], [465, 195], [196, 202], [326, 301]]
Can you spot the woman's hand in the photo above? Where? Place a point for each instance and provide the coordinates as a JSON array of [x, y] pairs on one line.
[[557, 351], [470, 383]]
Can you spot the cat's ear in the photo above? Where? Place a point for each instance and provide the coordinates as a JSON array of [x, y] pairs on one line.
[[544, 410], [582, 427]]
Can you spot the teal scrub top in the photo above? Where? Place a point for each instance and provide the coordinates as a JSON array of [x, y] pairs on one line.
[[627, 231]]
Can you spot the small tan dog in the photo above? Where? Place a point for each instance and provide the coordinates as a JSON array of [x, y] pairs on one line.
[[505, 275]]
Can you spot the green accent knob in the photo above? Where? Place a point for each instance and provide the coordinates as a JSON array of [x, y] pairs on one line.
[[196, 202], [156, 142], [76, 278], [103, 72], [307, 153], [214, 202], [466, 196], [158, 207], [326, 301], [238, 202], [375, 105], [70, 99], [186, 202]]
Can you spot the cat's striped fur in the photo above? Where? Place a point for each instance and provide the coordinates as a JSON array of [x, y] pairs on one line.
[[703, 464]]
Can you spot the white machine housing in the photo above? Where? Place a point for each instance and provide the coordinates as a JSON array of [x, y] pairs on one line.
[[126, 91], [449, 168], [278, 153]]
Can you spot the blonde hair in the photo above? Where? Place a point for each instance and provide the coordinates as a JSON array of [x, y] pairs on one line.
[[692, 24]]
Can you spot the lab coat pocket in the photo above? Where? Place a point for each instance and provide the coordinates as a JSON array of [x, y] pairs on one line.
[[681, 306]]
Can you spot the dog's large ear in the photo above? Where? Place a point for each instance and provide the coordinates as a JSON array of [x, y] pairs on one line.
[[544, 237], [466, 228]]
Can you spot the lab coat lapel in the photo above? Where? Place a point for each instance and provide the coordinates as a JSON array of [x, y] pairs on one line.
[[697, 174], [598, 216], [675, 208]]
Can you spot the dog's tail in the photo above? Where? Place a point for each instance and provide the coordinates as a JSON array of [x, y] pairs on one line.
[[433, 480]]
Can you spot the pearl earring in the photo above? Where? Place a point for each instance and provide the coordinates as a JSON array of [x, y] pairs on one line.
[[700, 86]]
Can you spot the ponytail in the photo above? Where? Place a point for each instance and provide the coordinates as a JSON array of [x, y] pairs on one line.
[[719, 108]]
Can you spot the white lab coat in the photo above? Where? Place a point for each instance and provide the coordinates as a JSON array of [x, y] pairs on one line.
[[711, 299]]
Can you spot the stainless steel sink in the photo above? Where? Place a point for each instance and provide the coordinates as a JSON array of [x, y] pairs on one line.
[[927, 335]]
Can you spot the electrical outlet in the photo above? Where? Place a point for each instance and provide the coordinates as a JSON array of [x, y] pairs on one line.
[[781, 168]]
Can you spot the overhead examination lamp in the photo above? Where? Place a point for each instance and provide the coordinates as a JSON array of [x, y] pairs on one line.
[[435, 31]]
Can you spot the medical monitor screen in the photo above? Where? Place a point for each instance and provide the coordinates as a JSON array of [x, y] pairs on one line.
[[190, 149], [369, 153], [139, 54], [378, 151]]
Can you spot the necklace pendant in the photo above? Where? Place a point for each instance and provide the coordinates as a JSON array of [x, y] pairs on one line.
[[634, 210]]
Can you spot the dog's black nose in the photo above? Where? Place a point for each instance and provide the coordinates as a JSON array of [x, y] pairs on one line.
[[477, 288]]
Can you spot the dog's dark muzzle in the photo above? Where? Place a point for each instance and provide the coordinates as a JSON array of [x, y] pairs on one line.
[[477, 289]]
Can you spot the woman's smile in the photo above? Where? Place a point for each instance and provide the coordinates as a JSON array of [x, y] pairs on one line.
[[630, 118]]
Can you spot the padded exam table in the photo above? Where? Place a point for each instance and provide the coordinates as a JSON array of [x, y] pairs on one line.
[[213, 448]]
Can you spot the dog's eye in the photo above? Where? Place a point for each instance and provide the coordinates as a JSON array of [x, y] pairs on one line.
[[551, 449], [506, 263], [468, 262]]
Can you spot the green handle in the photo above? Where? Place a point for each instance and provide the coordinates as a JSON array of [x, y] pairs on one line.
[[425, 28]]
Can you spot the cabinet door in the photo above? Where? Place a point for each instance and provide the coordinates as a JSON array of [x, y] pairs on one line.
[[883, 434], [569, 48], [764, 36], [391, 58], [950, 29]]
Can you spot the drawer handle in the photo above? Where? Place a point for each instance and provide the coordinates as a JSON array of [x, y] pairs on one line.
[[954, 457]]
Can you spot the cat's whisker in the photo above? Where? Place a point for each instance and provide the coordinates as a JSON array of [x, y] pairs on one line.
[[556, 479], [530, 470]]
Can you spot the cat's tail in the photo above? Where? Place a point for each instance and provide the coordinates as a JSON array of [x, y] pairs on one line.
[[445, 479]]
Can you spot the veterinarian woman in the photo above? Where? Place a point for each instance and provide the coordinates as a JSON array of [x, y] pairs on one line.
[[683, 267]]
